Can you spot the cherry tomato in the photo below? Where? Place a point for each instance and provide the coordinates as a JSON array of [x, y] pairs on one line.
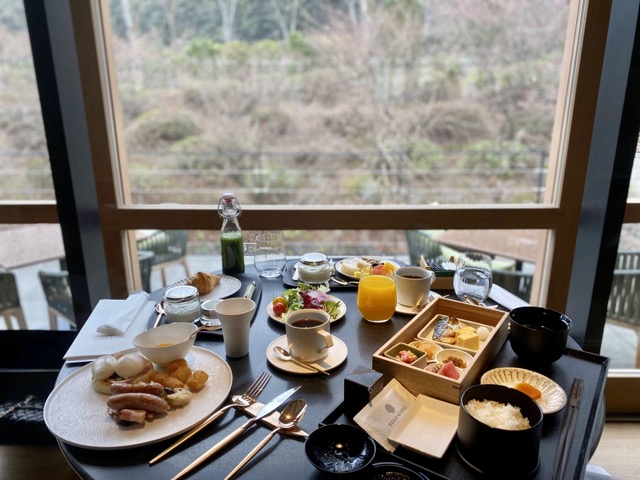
[[279, 308], [278, 300]]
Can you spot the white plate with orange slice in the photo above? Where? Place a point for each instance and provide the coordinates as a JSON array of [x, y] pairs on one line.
[[552, 398]]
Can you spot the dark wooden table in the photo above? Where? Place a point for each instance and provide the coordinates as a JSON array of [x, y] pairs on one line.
[[324, 394]]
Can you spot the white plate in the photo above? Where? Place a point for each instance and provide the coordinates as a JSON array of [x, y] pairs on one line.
[[337, 355], [76, 414], [414, 311], [381, 259], [228, 286], [553, 397], [428, 426], [342, 309]]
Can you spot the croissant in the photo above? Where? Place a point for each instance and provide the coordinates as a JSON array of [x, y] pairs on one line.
[[204, 282]]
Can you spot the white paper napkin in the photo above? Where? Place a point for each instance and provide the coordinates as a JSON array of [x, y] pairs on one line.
[[125, 315]]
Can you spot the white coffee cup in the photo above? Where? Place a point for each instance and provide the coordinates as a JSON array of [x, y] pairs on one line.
[[308, 334], [413, 285], [235, 315]]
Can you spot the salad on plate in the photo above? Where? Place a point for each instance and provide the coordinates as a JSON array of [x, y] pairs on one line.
[[306, 296]]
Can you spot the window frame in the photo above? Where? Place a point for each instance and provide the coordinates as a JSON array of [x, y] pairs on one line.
[[561, 217]]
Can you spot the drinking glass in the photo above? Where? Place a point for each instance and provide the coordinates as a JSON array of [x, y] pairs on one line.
[[269, 254], [376, 297], [473, 277]]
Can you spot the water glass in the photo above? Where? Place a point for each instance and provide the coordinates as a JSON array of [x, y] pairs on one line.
[[270, 258], [376, 298], [473, 277]]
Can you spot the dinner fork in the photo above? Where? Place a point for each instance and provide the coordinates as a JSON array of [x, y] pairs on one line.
[[249, 397]]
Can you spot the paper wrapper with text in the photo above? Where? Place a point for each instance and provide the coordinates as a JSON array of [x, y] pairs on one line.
[[380, 416]]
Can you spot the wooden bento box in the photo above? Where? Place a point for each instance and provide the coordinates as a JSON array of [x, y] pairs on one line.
[[419, 381]]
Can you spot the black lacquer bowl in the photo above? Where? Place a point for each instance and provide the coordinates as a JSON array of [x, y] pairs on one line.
[[497, 452], [538, 335]]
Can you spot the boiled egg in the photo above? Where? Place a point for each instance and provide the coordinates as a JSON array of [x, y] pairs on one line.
[[483, 333], [103, 367], [130, 364]]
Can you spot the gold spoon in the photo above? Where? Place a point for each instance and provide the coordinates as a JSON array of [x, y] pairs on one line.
[[284, 354]]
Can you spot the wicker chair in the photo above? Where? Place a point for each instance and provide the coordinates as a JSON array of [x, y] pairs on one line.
[[169, 248], [10, 308]]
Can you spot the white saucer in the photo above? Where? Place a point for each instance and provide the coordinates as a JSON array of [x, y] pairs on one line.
[[414, 311], [337, 355]]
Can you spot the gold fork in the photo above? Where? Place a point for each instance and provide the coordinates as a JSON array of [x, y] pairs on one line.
[[249, 397]]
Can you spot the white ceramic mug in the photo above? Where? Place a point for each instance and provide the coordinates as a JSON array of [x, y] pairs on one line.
[[413, 285], [235, 315], [308, 334]]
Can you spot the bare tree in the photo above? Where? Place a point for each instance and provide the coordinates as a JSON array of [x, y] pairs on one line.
[[228, 13], [280, 18]]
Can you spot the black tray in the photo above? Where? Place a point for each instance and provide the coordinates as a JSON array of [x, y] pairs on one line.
[[245, 279], [590, 367]]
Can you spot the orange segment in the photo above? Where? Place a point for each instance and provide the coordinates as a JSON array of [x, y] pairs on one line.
[[530, 390]]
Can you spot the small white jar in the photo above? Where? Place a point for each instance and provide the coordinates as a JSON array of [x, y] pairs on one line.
[[208, 314], [182, 304], [314, 268]]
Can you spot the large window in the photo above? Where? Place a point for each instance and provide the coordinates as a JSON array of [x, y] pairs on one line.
[[307, 103]]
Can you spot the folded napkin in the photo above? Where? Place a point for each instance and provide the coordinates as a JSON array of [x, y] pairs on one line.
[[273, 420], [125, 315], [89, 344]]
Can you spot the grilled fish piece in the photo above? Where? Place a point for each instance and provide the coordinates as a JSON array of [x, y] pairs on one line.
[[445, 329]]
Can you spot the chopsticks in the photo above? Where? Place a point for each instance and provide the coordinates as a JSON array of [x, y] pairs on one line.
[[568, 428]]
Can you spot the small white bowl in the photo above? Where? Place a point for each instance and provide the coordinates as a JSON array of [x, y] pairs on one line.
[[166, 343], [446, 353]]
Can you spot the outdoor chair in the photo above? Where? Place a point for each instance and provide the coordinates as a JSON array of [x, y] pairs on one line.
[[58, 294], [421, 244], [10, 308], [516, 282], [169, 248], [146, 259]]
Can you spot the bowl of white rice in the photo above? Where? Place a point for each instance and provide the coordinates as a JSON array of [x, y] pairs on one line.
[[495, 418]]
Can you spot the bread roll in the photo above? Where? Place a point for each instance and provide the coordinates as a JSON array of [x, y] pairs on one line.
[[204, 282]]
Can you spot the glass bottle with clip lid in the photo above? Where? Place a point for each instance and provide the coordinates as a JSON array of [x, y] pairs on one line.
[[231, 238]]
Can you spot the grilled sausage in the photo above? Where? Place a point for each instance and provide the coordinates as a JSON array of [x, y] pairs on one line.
[[152, 388], [138, 401]]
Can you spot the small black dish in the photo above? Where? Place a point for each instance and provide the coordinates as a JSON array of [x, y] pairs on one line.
[[340, 449], [394, 471]]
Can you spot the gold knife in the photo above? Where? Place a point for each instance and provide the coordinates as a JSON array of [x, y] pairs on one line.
[[264, 411]]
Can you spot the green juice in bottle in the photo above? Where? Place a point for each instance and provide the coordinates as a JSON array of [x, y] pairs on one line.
[[231, 238]]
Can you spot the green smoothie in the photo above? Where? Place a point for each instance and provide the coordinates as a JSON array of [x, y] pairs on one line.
[[232, 252]]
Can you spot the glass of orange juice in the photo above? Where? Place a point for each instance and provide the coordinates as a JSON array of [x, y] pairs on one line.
[[376, 297]]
